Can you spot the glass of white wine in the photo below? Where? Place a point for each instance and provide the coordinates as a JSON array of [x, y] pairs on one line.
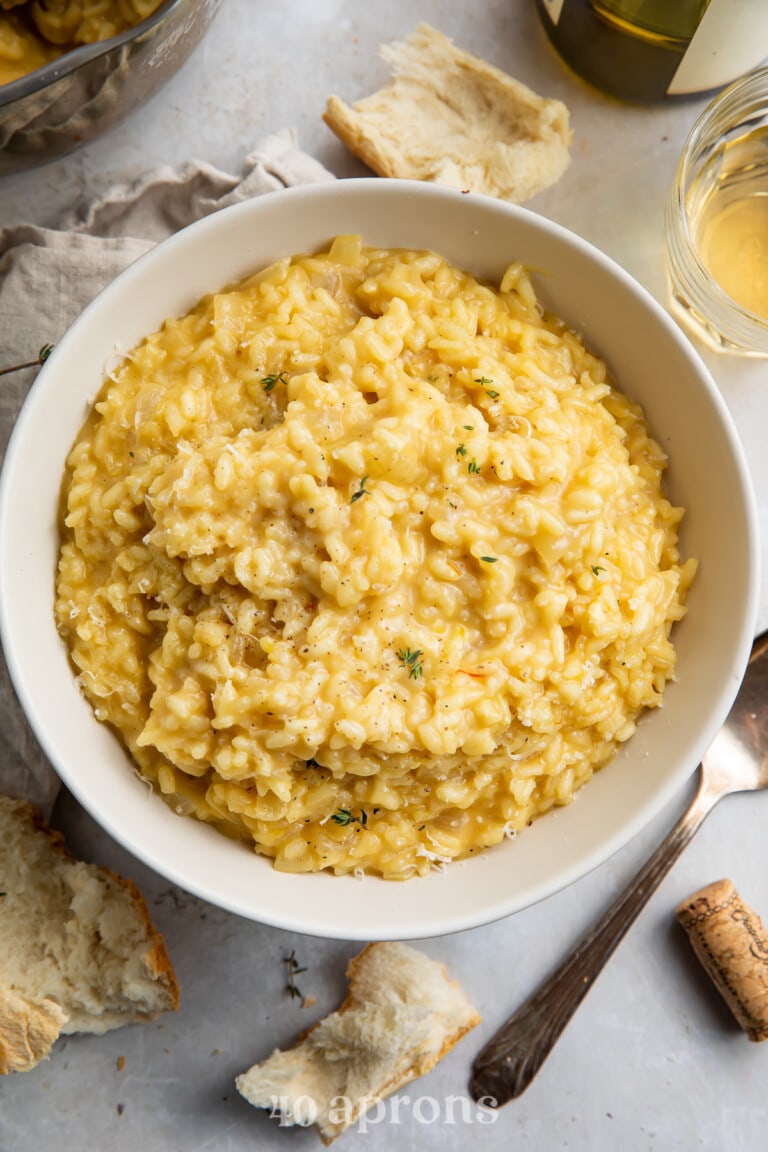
[[716, 221]]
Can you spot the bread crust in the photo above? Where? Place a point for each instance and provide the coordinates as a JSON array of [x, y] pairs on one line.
[[31, 1018], [156, 957], [28, 1030], [343, 120]]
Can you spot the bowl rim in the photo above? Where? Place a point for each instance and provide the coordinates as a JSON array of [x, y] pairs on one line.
[[75, 58], [410, 927]]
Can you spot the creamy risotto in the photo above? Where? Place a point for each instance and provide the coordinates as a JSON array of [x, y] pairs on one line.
[[34, 32], [367, 562]]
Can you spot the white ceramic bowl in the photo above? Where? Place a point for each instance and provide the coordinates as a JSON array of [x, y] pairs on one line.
[[651, 360]]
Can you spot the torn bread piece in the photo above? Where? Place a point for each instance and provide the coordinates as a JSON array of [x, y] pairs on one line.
[[78, 952], [452, 118], [402, 1014]]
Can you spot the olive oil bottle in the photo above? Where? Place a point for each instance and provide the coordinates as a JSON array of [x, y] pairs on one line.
[[647, 50]]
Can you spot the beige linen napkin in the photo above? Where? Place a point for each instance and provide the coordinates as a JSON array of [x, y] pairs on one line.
[[48, 276]]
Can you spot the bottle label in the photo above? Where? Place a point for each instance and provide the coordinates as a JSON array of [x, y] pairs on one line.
[[731, 39], [553, 8]]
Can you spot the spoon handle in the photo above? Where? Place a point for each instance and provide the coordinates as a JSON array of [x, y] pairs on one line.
[[509, 1061]]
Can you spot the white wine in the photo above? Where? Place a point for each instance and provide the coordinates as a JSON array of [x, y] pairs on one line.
[[646, 50], [716, 221], [728, 210]]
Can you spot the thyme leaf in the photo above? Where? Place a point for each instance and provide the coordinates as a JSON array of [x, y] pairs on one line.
[[271, 381], [461, 450], [361, 491], [293, 969], [473, 466], [343, 817], [484, 381], [411, 661]]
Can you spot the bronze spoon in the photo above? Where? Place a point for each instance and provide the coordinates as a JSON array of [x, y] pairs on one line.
[[737, 761]]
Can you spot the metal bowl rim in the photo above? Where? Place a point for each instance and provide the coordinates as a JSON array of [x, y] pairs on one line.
[[41, 78]]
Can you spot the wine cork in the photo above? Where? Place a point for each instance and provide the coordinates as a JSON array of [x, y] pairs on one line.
[[731, 942]]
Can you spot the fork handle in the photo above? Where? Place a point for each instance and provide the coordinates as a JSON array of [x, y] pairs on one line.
[[509, 1061]]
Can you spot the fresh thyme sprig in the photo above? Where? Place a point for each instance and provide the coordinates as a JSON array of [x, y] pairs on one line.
[[271, 381], [42, 356], [411, 661], [293, 969]]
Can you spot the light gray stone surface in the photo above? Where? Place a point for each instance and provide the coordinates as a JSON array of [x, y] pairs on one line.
[[652, 1061]]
